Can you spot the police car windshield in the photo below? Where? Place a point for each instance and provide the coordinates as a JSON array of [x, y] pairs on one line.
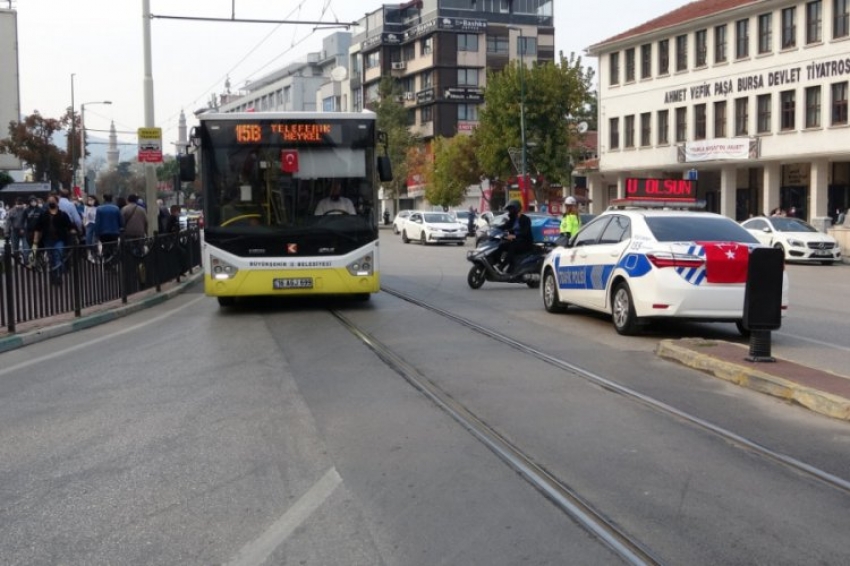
[[697, 229]]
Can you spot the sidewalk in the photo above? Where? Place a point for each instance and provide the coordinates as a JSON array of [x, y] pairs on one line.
[[35, 331], [820, 391]]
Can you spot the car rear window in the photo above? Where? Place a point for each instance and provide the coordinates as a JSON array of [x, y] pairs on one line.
[[697, 229]]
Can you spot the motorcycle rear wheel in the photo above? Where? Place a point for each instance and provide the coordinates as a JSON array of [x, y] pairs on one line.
[[476, 277]]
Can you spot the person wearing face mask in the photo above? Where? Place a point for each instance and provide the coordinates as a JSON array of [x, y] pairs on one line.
[[54, 231], [335, 201], [32, 213]]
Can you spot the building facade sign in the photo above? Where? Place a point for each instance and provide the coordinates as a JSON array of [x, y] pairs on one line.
[[380, 39], [463, 25], [718, 149], [421, 29], [464, 94], [790, 76], [425, 96]]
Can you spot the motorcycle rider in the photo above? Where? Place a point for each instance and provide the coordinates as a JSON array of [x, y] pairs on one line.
[[571, 221], [519, 238]]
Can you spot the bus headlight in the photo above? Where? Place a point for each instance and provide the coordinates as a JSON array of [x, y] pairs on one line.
[[221, 269], [362, 266]]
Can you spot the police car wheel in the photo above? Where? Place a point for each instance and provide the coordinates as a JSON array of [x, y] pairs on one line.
[[623, 311], [550, 293], [742, 330]]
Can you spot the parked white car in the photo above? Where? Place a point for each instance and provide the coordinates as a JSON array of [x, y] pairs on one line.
[[433, 228], [799, 240], [399, 220]]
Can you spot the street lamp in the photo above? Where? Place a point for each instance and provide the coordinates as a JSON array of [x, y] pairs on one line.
[[83, 139], [524, 173]]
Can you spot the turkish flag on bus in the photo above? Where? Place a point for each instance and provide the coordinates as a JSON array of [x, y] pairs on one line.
[[289, 160], [726, 262]]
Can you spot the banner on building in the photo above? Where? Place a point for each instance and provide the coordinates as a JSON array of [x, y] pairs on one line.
[[719, 149]]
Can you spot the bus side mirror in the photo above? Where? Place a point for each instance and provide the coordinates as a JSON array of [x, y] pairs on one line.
[[187, 167], [385, 169]]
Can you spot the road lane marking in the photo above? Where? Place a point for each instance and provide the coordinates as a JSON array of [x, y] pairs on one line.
[[813, 341], [93, 341], [257, 552]]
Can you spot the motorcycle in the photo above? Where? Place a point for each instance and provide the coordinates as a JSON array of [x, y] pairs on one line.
[[486, 256]]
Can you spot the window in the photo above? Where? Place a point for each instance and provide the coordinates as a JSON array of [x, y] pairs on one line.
[[814, 21], [646, 129], [664, 57], [742, 39], [699, 122], [763, 115], [614, 133], [498, 44], [720, 119], [467, 42], [467, 112], [630, 65], [426, 46], [618, 229], [681, 124], [663, 127], [630, 131], [701, 40], [682, 53], [526, 46], [426, 80], [788, 101], [720, 44], [614, 70], [765, 33], [742, 116], [646, 61], [813, 107], [467, 77], [839, 104], [427, 114], [840, 18], [373, 60], [789, 28], [410, 117]]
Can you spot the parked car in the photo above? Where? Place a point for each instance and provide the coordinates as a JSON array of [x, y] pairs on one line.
[[399, 220], [433, 228], [799, 240], [641, 265]]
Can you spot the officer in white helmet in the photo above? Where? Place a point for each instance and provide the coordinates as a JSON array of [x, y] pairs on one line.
[[571, 221]]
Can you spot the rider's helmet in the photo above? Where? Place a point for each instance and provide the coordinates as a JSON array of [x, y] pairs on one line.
[[570, 201], [514, 204]]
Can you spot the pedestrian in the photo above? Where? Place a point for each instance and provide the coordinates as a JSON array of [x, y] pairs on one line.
[[571, 221], [793, 212], [16, 226], [162, 216], [69, 208], [32, 213], [89, 218], [107, 225], [470, 229], [54, 232], [135, 219], [842, 218]]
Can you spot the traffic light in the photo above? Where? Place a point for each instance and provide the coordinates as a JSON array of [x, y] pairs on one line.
[[187, 167]]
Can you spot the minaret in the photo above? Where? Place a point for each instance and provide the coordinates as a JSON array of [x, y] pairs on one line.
[[112, 152], [182, 139]]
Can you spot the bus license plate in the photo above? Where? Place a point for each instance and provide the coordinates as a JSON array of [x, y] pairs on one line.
[[293, 283]]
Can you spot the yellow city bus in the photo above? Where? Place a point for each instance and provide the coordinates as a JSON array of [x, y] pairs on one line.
[[290, 203]]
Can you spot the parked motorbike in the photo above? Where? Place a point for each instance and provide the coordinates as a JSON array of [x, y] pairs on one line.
[[486, 257]]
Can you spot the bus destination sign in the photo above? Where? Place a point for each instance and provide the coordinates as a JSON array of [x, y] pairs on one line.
[[283, 132]]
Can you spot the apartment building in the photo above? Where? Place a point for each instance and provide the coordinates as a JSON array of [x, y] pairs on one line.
[[747, 96]]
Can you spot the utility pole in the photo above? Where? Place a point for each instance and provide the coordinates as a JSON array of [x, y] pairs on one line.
[[150, 171]]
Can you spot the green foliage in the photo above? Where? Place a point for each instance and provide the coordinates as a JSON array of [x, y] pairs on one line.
[[31, 141], [392, 118], [5, 179], [455, 168], [122, 181], [551, 93]]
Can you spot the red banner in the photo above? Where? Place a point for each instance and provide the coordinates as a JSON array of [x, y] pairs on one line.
[[289, 160], [726, 262]]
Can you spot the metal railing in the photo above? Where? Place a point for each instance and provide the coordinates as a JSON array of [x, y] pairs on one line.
[[50, 281]]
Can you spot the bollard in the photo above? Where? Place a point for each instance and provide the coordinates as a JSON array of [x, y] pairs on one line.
[[760, 347], [763, 300]]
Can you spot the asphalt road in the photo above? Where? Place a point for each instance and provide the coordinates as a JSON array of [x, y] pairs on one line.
[[267, 434]]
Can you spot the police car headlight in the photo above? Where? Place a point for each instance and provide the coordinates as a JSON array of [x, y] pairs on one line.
[[221, 269]]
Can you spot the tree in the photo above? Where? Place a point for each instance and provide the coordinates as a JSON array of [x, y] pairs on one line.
[[455, 168], [392, 118], [5, 179], [31, 141], [552, 92], [122, 181]]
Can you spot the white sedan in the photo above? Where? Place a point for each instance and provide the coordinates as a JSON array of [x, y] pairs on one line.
[[399, 220], [797, 239], [432, 228], [641, 265]]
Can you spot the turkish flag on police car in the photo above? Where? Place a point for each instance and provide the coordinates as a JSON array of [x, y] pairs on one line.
[[725, 262]]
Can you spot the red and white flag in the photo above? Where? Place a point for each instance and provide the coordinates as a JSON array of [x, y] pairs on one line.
[[289, 160], [726, 262]]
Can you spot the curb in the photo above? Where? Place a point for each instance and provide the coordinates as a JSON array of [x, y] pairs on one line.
[[16, 341], [811, 398]]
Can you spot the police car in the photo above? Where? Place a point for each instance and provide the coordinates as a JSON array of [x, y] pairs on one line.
[[643, 260]]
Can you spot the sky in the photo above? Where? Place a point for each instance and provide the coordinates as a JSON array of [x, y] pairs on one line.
[[100, 42]]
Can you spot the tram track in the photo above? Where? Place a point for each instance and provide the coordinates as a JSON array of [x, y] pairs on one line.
[[595, 522]]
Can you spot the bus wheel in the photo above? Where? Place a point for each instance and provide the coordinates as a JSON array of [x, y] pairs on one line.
[[361, 297], [226, 301]]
